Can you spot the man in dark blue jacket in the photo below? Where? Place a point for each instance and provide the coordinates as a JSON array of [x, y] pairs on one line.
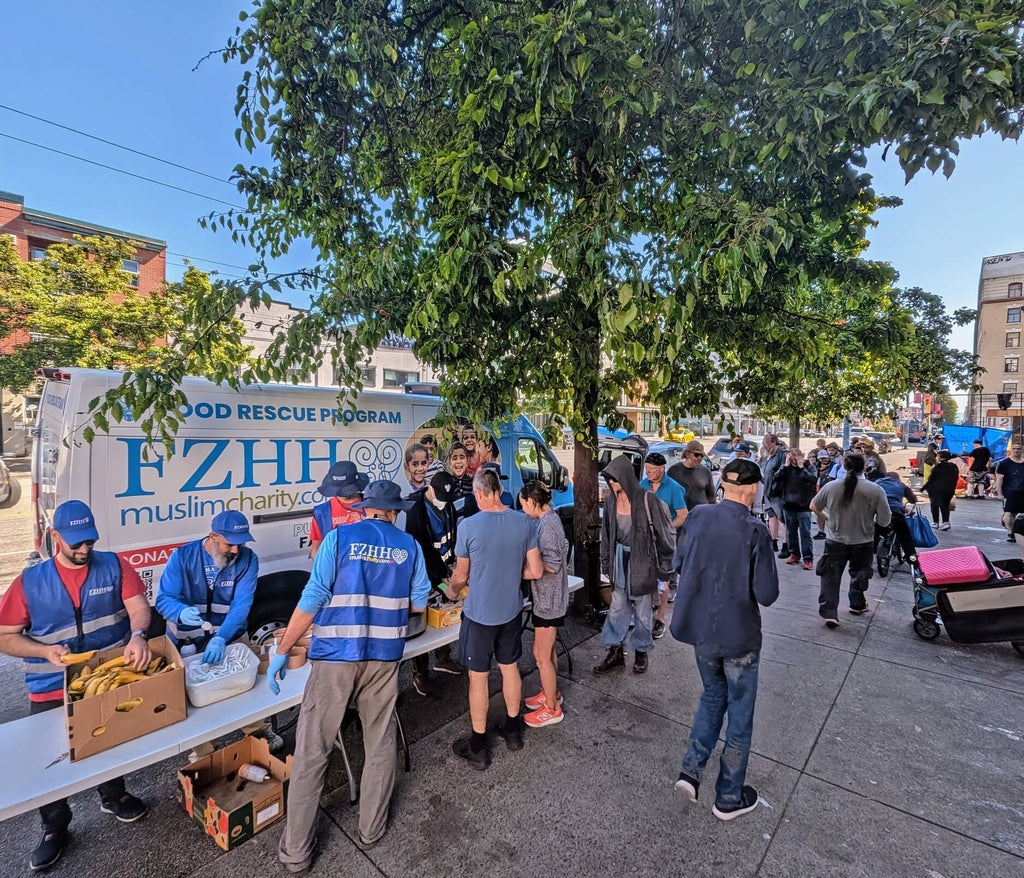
[[727, 569]]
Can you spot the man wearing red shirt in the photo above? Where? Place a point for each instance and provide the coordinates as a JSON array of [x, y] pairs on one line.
[[76, 601], [343, 487]]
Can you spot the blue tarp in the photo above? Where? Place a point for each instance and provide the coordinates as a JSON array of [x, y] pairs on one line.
[[960, 440]]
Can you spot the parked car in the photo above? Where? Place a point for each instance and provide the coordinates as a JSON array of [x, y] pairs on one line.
[[883, 441], [673, 451], [611, 445], [722, 450]]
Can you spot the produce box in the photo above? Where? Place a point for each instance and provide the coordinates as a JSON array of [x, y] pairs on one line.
[[227, 807], [444, 615], [102, 720]]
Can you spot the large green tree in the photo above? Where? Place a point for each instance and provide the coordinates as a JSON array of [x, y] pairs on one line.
[[75, 307], [530, 187]]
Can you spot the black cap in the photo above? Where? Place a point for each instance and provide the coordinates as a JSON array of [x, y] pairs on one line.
[[741, 472], [445, 486], [655, 458]]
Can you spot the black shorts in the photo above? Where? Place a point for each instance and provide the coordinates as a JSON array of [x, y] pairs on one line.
[[1014, 502], [477, 643], [538, 622]]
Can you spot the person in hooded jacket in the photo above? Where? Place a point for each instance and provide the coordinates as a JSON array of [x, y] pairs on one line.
[[637, 543], [797, 482]]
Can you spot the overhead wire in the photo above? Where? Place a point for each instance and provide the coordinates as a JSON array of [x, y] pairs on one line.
[[120, 170], [114, 144]]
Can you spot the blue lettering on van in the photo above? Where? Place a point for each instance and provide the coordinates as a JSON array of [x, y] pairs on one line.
[[371, 417], [135, 466], [217, 447], [250, 460], [55, 400]]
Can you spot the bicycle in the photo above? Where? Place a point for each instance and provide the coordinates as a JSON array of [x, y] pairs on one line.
[[887, 550]]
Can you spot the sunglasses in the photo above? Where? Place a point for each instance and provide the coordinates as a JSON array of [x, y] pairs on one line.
[[89, 543], [696, 453]]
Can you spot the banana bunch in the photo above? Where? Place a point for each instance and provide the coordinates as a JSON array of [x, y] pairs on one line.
[[111, 674]]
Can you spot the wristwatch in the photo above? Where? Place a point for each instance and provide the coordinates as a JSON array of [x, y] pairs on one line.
[[140, 633]]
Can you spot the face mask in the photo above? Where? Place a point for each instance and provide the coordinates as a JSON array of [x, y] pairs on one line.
[[439, 504]]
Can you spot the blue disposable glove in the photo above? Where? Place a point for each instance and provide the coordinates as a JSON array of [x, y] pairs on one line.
[[214, 652], [276, 670], [190, 617]]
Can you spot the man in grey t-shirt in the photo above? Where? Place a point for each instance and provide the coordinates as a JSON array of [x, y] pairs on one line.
[[494, 551], [852, 506]]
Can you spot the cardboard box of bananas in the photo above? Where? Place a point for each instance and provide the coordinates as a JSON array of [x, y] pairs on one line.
[[107, 703]]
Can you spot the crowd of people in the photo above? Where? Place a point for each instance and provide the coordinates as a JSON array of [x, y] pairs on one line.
[[464, 538]]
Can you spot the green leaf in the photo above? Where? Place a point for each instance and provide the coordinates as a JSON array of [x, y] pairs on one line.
[[996, 76], [936, 96], [634, 62]]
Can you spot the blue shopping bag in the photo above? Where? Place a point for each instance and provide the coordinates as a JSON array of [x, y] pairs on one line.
[[921, 531]]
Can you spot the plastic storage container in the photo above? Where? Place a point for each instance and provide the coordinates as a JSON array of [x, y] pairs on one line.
[[235, 683]]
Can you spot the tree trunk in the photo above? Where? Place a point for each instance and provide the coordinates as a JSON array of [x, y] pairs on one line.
[[794, 432], [586, 522]]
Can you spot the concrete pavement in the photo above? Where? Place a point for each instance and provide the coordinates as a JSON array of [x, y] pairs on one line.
[[875, 754]]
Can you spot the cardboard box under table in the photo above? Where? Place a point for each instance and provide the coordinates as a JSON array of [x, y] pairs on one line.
[[95, 724], [227, 807]]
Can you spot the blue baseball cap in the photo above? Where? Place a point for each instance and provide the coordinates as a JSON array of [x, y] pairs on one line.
[[233, 526], [75, 523], [383, 494]]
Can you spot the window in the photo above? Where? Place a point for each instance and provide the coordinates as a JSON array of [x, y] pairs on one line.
[[533, 462], [1016, 290], [650, 422], [132, 267], [1013, 315], [1013, 339], [398, 378], [368, 375], [1009, 387], [1010, 364], [36, 254]]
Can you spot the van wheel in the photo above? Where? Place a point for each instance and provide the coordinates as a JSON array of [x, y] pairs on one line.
[[14, 496]]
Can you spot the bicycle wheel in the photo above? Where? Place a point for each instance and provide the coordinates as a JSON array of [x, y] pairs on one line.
[[883, 555]]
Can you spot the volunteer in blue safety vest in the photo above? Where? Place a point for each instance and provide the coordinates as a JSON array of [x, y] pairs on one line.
[[212, 581], [76, 601], [365, 580]]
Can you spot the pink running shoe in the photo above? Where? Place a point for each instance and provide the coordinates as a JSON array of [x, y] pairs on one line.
[[536, 702], [543, 717]]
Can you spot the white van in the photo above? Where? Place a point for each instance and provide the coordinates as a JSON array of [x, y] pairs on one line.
[[262, 450]]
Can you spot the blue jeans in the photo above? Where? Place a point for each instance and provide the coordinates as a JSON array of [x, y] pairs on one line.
[[798, 525], [730, 685], [616, 624]]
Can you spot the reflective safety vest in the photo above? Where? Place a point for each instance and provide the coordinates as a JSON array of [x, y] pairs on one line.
[[368, 613], [212, 601], [100, 621], [326, 521]]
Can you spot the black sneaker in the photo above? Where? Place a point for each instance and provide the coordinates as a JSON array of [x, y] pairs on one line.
[[127, 809], [819, 536], [514, 736], [689, 785], [784, 554], [658, 631], [859, 611], [746, 804], [448, 666], [478, 759], [832, 624], [48, 851], [1010, 538], [640, 662], [423, 686]]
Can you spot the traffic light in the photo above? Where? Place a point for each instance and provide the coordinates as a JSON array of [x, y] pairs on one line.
[[1004, 400]]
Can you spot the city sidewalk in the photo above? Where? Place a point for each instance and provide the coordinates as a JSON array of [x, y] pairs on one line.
[[875, 753]]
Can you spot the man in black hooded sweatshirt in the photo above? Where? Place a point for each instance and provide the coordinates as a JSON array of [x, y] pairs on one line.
[[637, 541]]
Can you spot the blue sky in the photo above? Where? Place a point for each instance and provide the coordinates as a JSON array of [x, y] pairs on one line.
[[105, 69]]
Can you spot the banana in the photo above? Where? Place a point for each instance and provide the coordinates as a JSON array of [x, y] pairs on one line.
[[93, 685], [76, 658], [86, 673], [99, 730], [118, 662], [155, 665], [104, 685], [126, 706], [173, 666], [77, 685], [126, 676]]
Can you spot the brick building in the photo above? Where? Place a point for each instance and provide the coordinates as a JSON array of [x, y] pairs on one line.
[[35, 230], [997, 341]]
